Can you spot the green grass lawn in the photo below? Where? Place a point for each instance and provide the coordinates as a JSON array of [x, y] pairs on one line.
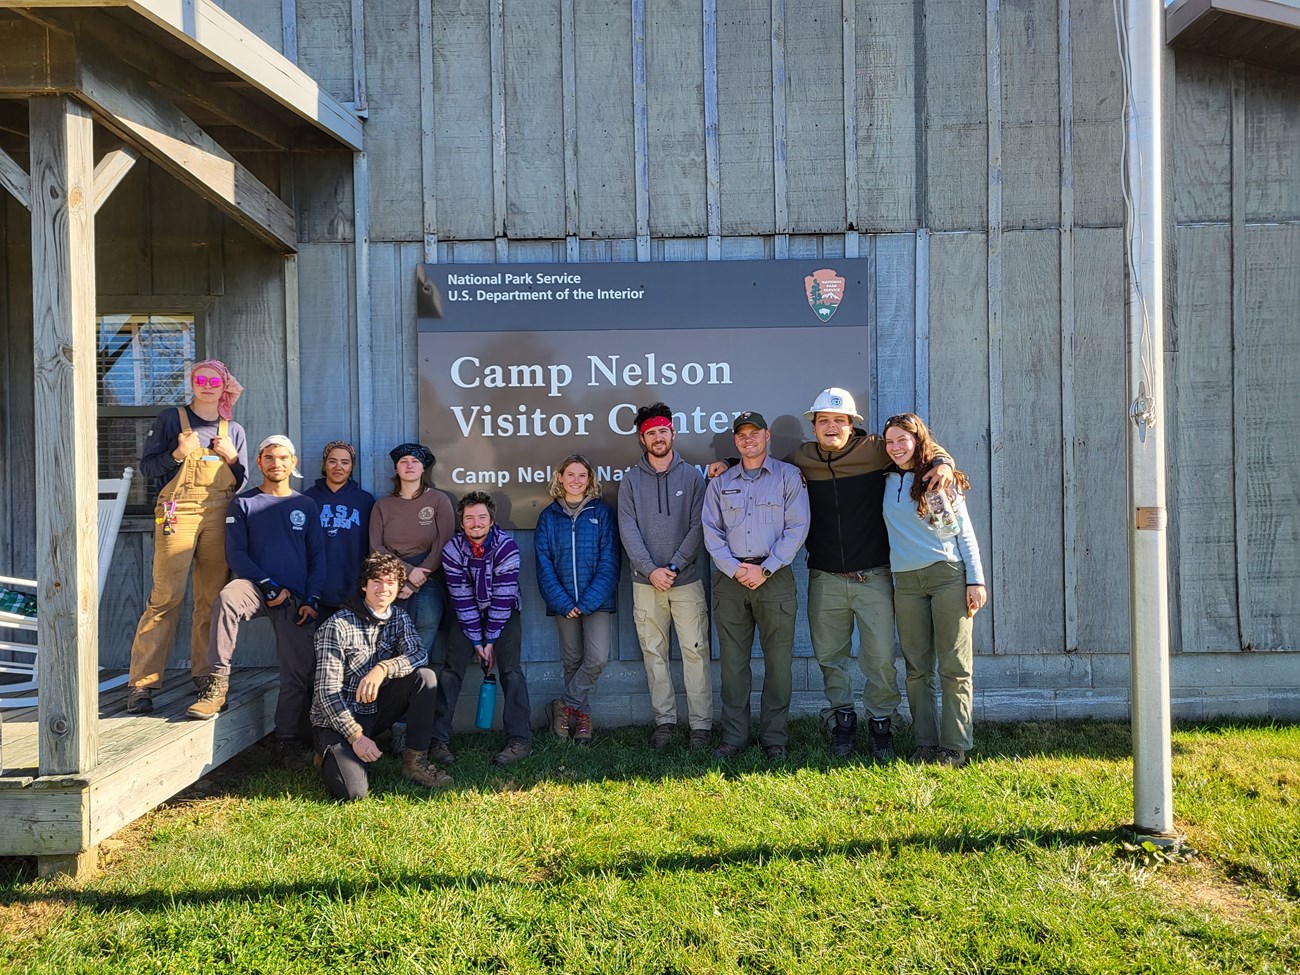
[[617, 858]]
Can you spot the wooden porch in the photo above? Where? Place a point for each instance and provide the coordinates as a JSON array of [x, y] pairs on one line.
[[144, 759], [90, 91]]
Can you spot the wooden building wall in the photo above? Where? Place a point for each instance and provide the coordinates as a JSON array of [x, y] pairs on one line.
[[971, 147]]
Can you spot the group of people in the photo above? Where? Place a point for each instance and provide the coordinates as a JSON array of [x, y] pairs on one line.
[[356, 587]]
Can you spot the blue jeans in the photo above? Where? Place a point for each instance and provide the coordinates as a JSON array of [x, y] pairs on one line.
[[425, 608]]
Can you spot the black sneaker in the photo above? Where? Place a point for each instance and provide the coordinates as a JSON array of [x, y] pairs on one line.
[[844, 730], [882, 740], [139, 700]]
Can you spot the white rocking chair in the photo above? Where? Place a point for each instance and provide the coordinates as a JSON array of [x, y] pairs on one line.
[[21, 692]]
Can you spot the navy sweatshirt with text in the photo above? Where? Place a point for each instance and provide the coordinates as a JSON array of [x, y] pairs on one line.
[[268, 537]]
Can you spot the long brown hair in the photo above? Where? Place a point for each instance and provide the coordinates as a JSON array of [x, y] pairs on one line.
[[926, 451]]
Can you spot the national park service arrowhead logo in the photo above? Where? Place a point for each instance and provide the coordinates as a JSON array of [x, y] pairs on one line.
[[825, 292]]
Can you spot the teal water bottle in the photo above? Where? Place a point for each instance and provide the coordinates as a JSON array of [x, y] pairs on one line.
[[487, 702]]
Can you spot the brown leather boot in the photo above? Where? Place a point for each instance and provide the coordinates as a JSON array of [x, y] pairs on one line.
[[213, 699], [417, 768]]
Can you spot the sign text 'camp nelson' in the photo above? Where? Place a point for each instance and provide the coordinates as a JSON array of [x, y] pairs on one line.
[[521, 365]]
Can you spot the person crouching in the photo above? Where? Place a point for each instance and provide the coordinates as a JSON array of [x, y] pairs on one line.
[[370, 671]]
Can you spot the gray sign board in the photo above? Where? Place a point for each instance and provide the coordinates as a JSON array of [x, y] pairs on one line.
[[521, 365]]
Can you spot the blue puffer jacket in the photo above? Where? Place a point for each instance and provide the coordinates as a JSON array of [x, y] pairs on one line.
[[578, 559]]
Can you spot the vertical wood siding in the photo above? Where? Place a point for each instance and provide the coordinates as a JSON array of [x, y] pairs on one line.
[[970, 149]]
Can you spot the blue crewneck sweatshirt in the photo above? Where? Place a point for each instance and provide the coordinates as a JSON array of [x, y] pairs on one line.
[[275, 538]]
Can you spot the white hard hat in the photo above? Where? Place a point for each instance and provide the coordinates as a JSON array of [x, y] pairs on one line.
[[834, 400]]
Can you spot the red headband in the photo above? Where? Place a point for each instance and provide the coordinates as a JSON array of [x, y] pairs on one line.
[[653, 422]]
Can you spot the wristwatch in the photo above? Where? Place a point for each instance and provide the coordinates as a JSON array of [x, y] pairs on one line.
[[766, 572]]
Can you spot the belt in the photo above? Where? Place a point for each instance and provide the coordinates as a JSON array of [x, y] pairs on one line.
[[754, 560], [861, 576]]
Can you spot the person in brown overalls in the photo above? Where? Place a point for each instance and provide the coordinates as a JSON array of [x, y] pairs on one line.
[[198, 455]]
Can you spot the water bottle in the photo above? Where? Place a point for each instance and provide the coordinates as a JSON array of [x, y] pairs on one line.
[[487, 702], [941, 514]]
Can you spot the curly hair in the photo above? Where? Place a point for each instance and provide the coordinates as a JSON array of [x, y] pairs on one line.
[[377, 566], [473, 498], [926, 450], [594, 488]]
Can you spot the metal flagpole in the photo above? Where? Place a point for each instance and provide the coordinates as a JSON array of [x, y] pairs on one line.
[[1141, 50]]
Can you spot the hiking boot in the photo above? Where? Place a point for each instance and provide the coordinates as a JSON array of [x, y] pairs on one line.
[[440, 753], [924, 754], [662, 736], [582, 728], [775, 753], [213, 699], [516, 748], [139, 700], [290, 753], [882, 740], [844, 730], [949, 757], [699, 739], [201, 683], [727, 750], [561, 717], [417, 768]]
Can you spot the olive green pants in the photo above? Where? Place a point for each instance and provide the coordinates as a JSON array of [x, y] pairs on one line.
[[935, 633], [737, 611]]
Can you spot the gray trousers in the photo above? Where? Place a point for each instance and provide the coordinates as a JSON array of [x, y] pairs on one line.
[[584, 652], [737, 611], [240, 601], [930, 605], [835, 605]]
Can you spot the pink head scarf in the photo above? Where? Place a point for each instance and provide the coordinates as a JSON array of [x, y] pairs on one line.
[[230, 388]]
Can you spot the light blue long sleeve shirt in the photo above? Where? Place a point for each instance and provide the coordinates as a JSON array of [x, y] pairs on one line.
[[764, 516], [913, 544]]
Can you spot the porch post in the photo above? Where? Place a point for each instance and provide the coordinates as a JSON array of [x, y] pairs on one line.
[[63, 300]]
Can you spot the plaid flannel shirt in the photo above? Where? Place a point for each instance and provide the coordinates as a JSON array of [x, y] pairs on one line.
[[348, 647]]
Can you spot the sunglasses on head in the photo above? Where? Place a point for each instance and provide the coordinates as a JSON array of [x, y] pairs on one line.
[[213, 381]]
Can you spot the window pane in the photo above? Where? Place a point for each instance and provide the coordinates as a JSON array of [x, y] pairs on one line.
[[121, 441], [144, 359]]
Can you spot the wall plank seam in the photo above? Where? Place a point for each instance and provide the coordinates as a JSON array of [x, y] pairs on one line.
[[997, 479]]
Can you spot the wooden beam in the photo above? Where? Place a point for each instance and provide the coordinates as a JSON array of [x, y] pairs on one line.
[[36, 58], [133, 110], [178, 76], [14, 178], [110, 171], [63, 316], [207, 28]]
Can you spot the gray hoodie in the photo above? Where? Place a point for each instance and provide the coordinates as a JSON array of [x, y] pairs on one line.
[[659, 519]]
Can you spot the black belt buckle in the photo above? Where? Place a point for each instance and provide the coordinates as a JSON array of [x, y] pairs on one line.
[[754, 560]]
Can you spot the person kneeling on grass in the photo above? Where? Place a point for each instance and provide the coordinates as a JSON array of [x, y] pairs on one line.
[[370, 670]]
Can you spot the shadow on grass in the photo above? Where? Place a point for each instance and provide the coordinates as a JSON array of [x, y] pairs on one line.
[[623, 754], [621, 865]]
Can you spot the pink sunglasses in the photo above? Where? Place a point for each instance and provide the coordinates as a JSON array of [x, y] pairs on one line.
[[213, 381]]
